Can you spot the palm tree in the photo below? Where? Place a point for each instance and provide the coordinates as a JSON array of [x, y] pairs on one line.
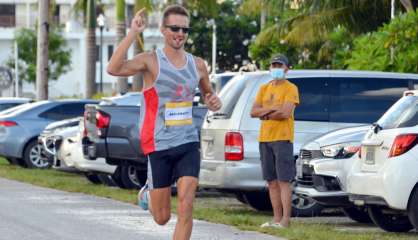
[[42, 52], [122, 86], [263, 9], [91, 49], [316, 19]]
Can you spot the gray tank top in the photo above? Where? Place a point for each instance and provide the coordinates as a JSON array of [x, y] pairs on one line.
[[166, 108]]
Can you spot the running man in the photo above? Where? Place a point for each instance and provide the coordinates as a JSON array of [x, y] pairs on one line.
[[168, 137]]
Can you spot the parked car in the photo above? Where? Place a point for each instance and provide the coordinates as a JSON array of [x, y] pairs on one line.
[[322, 168], [19, 130], [47, 137], [385, 177], [329, 100], [6, 103]]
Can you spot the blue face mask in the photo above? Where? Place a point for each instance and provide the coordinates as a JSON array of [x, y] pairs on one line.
[[277, 73]]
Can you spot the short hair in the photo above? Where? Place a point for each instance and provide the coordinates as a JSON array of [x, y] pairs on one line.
[[174, 9]]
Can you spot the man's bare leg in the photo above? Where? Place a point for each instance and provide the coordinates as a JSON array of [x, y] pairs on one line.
[[286, 200], [160, 205], [186, 190], [276, 201]]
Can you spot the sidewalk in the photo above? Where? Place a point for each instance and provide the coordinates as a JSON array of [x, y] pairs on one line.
[[31, 212]]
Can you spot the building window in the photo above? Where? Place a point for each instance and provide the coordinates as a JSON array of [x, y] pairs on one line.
[[109, 52], [7, 15], [56, 15]]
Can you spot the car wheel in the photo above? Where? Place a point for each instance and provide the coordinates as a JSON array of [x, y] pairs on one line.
[[258, 200], [413, 208], [358, 214], [106, 179], [389, 221], [34, 157], [131, 177], [117, 177], [305, 207], [240, 197], [93, 178]]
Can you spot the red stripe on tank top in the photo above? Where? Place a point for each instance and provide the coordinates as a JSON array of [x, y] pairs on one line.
[[148, 127]]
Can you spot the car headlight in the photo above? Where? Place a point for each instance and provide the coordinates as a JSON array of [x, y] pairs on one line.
[[341, 150]]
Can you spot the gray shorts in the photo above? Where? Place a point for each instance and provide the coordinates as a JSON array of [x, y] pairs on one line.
[[277, 161]]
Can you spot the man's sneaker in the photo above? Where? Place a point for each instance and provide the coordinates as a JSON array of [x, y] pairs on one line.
[[143, 197]]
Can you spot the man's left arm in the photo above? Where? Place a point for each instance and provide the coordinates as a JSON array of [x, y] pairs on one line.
[[283, 112], [210, 98], [286, 110]]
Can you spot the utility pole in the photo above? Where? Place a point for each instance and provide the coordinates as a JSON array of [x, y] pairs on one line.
[[42, 51]]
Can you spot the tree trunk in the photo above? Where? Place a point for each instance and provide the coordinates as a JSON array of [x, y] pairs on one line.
[[91, 49], [120, 34], [407, 4], [42, 52]]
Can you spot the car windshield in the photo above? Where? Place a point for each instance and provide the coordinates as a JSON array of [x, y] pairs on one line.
[[404, 113]]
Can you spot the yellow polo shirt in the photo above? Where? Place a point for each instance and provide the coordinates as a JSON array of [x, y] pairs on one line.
[[270, 94]]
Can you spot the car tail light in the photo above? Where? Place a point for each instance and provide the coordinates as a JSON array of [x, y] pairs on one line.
[[234, 146], [8, 123], [402, 144], [102, 120], [85, 133]]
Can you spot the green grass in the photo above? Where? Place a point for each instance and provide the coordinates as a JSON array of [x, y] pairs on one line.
[[212, 208]]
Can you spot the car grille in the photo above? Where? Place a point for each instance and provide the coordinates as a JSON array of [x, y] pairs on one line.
[[306, 156], [310, 154]]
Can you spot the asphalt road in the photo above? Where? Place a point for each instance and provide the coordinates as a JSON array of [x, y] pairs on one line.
[[31, 212]]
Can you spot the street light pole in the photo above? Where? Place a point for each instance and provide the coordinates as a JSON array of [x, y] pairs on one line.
[[101, 23]]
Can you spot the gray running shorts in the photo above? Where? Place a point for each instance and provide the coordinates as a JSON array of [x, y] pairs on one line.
[[277, 161]]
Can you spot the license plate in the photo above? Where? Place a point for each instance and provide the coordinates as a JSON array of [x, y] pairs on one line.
[[370, 156]]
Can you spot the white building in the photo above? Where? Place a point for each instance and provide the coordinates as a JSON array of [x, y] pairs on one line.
[[23, 13]]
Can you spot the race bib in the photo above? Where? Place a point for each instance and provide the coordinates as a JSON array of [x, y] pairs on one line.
[[178, 113]]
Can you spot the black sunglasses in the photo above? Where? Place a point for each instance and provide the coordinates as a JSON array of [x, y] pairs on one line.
[[175, 28]]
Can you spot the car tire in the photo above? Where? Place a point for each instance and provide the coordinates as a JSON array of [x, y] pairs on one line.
[[260, 200], [33, 156], [131, 177], [240, 197], [106, 179], [117, 177], [358, 214], [305, 207], [93, 178], [413, 208], [389, 222]]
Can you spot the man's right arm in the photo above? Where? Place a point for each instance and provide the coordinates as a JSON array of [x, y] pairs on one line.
[[118, 66]]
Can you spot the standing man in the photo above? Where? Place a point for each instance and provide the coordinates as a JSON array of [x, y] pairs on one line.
[[168, 137], [274, 105]]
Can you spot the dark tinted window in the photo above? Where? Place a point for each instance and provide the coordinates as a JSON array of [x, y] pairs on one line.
[[73, 110], [54, 113], [7, 15], [314, 99], [64, 111], [364, 100], [5, 106]]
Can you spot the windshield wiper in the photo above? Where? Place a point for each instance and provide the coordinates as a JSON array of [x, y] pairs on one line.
[[376, 127], [215, 115]]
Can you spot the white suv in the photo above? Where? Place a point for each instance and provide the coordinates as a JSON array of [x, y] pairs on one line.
[[385, 177]]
